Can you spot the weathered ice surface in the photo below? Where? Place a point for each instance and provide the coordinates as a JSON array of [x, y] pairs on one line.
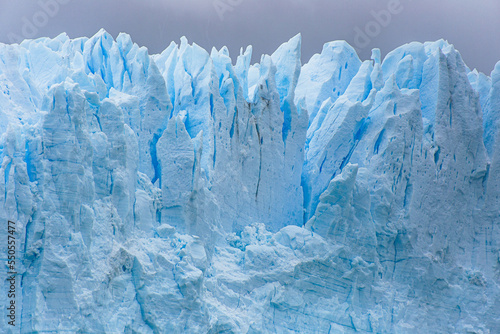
[[187, 193]]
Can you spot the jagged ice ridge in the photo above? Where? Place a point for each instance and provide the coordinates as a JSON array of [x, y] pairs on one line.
[[179, 193]]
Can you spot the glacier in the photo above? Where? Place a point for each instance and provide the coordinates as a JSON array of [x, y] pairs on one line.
[[184, 193]]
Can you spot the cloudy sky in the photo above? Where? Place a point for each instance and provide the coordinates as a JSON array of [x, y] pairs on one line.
[[473, 26]]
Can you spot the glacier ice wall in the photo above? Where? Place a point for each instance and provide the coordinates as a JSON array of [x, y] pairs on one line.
[[182, 193]]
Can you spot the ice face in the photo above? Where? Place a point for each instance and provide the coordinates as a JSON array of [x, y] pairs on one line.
[[178, 192]]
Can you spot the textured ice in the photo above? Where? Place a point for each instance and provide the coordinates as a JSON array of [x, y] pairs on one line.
[[182, 193]]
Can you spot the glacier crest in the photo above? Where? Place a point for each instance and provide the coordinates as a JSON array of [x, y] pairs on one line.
[[179, 192]]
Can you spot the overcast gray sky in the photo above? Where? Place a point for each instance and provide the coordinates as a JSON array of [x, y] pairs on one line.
[[473, 26]]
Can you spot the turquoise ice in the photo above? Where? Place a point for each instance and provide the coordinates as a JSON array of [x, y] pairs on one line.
[[189, 192]]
